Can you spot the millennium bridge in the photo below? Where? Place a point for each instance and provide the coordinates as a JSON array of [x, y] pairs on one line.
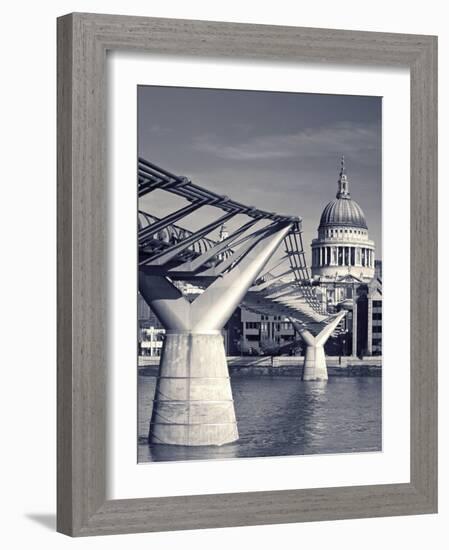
[[260, 264]]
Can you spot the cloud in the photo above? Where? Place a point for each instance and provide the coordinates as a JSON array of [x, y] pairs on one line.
[[347, 138]]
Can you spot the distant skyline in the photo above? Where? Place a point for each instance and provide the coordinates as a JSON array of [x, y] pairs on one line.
[[277, 151]]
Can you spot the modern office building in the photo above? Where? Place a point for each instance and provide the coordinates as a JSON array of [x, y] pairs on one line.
[[264, 333]]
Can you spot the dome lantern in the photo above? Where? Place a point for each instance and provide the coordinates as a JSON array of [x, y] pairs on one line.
[[343, 184]]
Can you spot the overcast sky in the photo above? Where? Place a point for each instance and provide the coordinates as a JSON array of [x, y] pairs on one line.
[[273, 150]]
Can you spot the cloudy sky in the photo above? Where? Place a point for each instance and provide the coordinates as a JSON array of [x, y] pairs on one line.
[[273, 150]]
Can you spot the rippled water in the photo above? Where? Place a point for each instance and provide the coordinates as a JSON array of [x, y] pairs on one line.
[[280, 416]]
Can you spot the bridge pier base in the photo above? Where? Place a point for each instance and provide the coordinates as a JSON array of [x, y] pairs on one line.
[[193, 402], [315, 367]]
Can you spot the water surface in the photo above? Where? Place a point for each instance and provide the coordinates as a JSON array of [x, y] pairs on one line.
[[280, 416]]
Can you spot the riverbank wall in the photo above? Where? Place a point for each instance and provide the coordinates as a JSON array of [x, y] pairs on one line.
[[282, 366]]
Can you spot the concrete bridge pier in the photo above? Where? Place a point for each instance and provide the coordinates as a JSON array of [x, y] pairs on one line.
[[315, 367], [193, 403]]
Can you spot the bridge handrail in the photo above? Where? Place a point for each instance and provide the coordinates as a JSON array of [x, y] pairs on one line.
[[153, 177]]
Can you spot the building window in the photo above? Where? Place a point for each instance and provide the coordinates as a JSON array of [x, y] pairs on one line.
[[377, 316], [251, 324], [377, 328], [377, 303]]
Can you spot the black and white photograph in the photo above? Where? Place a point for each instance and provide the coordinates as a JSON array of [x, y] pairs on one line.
[[221, 310], [260, 274]]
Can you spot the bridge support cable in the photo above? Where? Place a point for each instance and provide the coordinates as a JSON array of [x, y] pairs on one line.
[[149, 231], [170, 235], [219, 249], [193, 403], [173, 250]]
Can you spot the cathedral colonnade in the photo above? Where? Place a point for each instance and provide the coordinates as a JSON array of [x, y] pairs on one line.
[[343, 255]]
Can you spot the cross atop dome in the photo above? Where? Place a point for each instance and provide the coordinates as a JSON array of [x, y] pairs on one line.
[[343, 184]]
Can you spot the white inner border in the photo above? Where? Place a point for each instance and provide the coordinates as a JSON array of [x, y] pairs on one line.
[[126, 478]]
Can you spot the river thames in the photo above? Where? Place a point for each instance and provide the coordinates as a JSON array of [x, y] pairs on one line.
[[280, 416]]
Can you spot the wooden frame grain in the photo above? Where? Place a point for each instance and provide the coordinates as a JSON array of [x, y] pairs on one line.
[[83, 40]]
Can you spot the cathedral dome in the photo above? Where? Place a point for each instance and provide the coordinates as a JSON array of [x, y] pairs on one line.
[[343, 248], [343, 211]]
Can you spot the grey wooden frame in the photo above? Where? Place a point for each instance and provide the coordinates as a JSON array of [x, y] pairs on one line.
[[83, 40]]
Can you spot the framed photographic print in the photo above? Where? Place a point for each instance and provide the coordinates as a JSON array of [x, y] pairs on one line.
[[246, 274]]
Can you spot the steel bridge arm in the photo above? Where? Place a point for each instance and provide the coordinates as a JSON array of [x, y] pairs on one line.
[[214, 307]]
